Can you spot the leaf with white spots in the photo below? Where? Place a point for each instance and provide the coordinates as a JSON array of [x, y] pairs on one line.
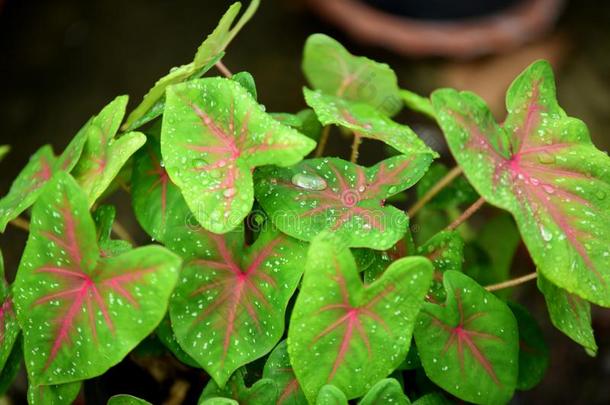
[[446, 251], [229, 305], [329, 67], [570, 314], [104, 155], [28, 185], [330, 194], [11, 366], [82, 313], [9, 329], [330, 395], [103, 217], [214, 134], [166, 335], [540, 165], [469, 346], [209, 52], [61, 394], [350, 335], [278, 368], [263, 392], [366, 122], [533, 351], [154, 196], [386, 391]]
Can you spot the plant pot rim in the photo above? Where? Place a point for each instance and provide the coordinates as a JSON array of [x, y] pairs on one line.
[[468, 38]]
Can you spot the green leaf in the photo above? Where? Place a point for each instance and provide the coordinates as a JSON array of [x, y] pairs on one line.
[[330, 395], [9, 329], [229, 306], [124, 399], [11, 366], [4, 150], [208, 53], [214, 134], [71, 302], [28, 185], [263, 392], [446, 251], [386, 391], [218, 401], [347, 334], [53, 394], [469, 346], [279, 369], [458, 192], [541, 166], [329, 67], [366, 121], [418, 103], [570, 314], [339, 196], [246, 80], [533, 351], [103, 155], [154, 196], [103, 217], [434, 398], [305, 121], [166, 335]]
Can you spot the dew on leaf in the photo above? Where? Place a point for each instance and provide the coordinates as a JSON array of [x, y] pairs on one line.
[[309, 182]]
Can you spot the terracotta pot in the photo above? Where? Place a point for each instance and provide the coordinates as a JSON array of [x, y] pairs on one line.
[[464, 38]]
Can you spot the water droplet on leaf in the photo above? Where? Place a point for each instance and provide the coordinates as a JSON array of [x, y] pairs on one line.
[[309, 182]]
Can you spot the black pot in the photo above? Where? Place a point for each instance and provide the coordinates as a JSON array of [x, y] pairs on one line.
[[442, 9]]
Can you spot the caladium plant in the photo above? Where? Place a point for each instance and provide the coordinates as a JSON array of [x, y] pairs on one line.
[[268, 276]]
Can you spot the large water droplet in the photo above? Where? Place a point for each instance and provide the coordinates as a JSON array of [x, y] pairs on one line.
[[600, 194], [392, 190], [309, 181]]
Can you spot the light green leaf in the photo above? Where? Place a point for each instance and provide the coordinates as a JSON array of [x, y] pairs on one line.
[[278, 368], [386, 391], [53, 394], [330, 395], [214, 134], [263, 392], [124, 399]]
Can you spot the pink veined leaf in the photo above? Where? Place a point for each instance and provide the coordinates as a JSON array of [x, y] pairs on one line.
[[469, 345], [330, 194], [228, 307], [53, 394], [541, 166], [213, 136], [279, 369], [72, 303], [338, 325], [9, 329]]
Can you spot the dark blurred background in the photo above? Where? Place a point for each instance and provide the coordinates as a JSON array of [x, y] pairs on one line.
[[62, 60]]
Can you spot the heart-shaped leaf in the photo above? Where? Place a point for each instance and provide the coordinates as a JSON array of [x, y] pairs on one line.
[[103, 217], [71, 303], [103, 155], [570, 314], [542, 167], [166, 335], [386, 391], [346, 334], [263, 392], [154, 196], [331, 395], [124, 399], [9, 329], [214, 134], [366, 121], [332, 194], [470, 345], [208, 53], [329, 67], [446, 251], [533, 351], [53, 394], [28, 185], [229, 306], [434, 398], [279, 369]]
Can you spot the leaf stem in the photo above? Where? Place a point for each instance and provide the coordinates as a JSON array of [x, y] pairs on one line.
[[21, 223], [512, 283], [442, 183], [355, 146], [322, 142], [466, 214], [120, 231], [223, 69]]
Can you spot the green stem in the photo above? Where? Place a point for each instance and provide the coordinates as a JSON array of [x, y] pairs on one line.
[[355, 147], [322, 142], [512, 283]]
